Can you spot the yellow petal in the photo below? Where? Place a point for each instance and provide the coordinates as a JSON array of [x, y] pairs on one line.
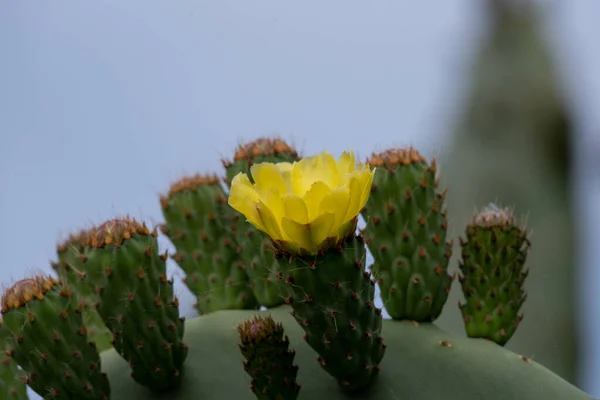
[[355, 198], [309, 236], [336, 203], [271, 226], [309, 170], [268, 175], [346, 163], [284, 166], [272, 199], [367, 189], [314, 197], [243, 198], [295, 208]]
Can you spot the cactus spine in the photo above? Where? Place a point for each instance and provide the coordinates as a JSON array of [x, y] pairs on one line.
[[406, 233], [45, 335], [269, 361], [493, 256], [198, 224], [257, 254]]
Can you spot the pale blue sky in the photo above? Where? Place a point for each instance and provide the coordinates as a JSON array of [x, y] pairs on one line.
[[103, 104]]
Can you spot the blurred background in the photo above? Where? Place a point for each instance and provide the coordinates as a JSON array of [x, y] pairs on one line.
[[104, 104]]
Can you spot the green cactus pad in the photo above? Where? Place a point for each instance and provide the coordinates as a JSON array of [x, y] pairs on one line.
[[257, 254], [72, 254], [422, 363], [269, 362], [492, 274], [136, 301], [406, 234], [12, 380], [45, 335], [332, 297], [198, 223]]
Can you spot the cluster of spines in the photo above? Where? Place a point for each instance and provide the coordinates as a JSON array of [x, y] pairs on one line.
[[45, 335], [269, 361], [332, 297], [199, 224], [492, 274], [406, 232]]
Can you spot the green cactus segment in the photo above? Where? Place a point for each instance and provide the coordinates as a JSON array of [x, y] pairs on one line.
[[269, 362], [422, 362], [492, 274], [72, 255], [137, 302], [333, 301], [12, 380], [198, 223], [257, 255], [45, 335], [406, 234]]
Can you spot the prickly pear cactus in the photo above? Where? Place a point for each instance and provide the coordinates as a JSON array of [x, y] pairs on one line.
[[137, 302], [327, 340], [269, 361], [45, 335], [72, 255], [493, 256], [406, 233], [257, 251], [198, 223]]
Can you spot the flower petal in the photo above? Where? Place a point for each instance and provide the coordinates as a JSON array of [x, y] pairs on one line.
[[295, 208], [346, 163], [270, 223], [336, 203], [314, 197], [355, 198], [268, 175], [243, 198], [309, 236], [309, 170]]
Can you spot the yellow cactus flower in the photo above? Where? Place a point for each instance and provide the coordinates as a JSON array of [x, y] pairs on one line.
[[307, 205]]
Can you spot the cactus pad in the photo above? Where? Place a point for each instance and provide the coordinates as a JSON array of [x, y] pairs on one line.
[[45, 335], [492, 274], [198, 223], [332, 298], [136, 301], [422, 362], [268, 359], [406, 233], [257, 254]]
